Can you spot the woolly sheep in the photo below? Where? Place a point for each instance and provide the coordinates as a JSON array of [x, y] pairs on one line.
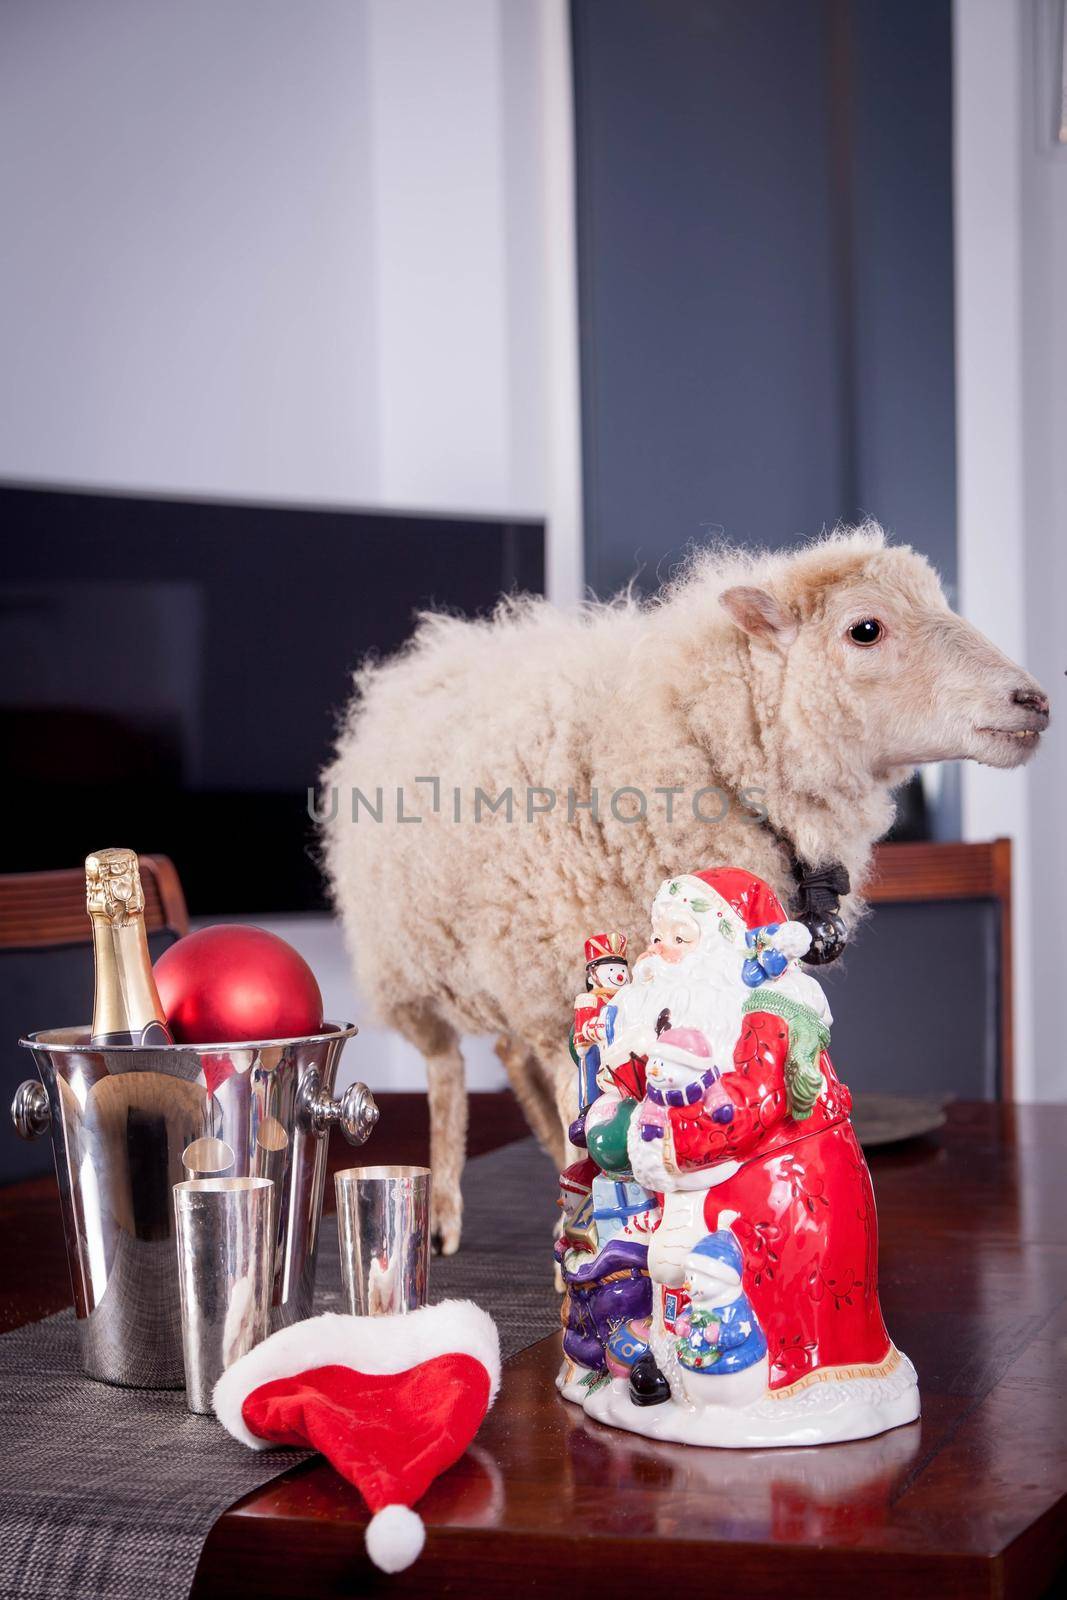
[[741, 677]]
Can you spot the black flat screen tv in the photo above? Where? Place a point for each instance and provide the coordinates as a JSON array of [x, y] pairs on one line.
[[173, 669]]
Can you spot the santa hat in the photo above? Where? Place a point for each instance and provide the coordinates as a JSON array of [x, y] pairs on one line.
[[391, 1402], [741, 903], [685, 1047]]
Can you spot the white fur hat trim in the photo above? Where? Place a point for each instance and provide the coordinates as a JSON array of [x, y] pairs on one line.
[[793, 939], [367, 1344], [685, 888]]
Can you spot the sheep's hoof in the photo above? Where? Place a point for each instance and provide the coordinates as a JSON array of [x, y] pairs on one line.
[[445, 1234]]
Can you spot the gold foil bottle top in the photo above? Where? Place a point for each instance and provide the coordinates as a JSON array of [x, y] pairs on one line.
[[126, 1005], [113, 886]]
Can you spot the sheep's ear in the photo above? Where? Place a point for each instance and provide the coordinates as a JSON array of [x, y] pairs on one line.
[[758, 613]]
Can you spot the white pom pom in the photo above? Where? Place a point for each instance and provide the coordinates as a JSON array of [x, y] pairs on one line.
[[394, 1538], [792, 939]]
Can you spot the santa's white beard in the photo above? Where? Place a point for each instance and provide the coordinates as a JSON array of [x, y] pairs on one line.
[[703, 990]]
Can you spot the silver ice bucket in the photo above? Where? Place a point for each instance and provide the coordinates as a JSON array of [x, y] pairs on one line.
[[129, 1123]]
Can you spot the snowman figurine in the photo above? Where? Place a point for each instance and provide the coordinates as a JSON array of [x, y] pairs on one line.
[[721, 1350], [681, 1072]]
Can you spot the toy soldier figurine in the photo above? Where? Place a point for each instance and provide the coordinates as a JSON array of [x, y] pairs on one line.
[[606, 970], [607, 1218]]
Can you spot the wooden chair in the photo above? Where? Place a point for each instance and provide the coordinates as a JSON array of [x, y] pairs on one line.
[[48, 908], [919, 873], [923, 997], [46, 972]]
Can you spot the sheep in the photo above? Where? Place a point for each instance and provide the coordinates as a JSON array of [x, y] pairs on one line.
[[763, 702]]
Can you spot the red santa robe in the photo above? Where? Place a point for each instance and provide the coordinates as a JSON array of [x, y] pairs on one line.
[[806, 1219]]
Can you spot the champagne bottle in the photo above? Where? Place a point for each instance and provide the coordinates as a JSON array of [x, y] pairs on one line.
[[126, 1004]]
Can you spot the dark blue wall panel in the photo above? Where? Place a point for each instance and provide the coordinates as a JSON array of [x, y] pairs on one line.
[[765, 260]]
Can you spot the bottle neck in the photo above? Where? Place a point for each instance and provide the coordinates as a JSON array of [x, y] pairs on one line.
[[126, 1000]]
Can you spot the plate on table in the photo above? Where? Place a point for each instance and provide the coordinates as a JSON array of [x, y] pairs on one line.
[[881, 1119]]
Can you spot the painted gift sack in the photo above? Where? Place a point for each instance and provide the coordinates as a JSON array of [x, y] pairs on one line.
[[724, 1179]]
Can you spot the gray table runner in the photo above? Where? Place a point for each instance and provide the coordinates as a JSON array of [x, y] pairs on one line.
[[111, 1493]]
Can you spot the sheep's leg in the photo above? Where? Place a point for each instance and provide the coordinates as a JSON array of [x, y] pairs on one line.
[[565, 1085], [448, 1146], [565, 1095], [558, 1080], [447, 1094], [527, 1079]]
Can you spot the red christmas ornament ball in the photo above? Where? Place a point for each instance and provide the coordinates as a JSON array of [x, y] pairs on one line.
[[231, 983]]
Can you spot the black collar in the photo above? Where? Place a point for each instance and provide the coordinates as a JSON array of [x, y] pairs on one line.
[[817, 903]]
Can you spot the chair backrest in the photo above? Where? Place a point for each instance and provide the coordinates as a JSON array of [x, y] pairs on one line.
[[922, 998], [46, 974], [48, 908]]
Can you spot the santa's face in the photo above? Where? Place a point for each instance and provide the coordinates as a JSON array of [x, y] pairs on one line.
[[689, 977], [610, 974], [680, 946], [674, 935]]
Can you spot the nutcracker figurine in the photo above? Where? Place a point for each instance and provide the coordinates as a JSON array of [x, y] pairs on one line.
[[765, 1326], [606, 970], [602, 1251]]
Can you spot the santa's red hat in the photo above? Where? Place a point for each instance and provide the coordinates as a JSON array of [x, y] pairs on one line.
[[753, 900], [739, 901], [391, 1402]]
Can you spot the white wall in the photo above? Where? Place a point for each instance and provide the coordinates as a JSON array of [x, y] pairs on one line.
[[445, 274], [188, 292], [297, 251], [1044, 359], [1011, 333], [378, 1056]]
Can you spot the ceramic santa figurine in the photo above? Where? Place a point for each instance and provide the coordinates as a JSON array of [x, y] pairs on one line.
[[752, 1139]]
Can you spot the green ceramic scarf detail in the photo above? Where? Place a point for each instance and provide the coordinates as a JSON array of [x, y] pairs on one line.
[[808, 1038]]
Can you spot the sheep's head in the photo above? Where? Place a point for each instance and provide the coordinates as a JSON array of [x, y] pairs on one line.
[[870, 644]]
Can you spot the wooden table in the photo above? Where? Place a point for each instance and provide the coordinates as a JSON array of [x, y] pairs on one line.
[[972, 1500]]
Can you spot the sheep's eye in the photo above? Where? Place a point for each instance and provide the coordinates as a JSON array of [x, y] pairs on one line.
[[657, 940], [678, 939], [869, 631]]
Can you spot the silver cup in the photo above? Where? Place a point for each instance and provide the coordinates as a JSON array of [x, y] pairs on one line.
[[383, 1222], [225, 1228]]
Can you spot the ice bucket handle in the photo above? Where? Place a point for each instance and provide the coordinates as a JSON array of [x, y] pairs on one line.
[[355, 1113], [30, 1111]]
